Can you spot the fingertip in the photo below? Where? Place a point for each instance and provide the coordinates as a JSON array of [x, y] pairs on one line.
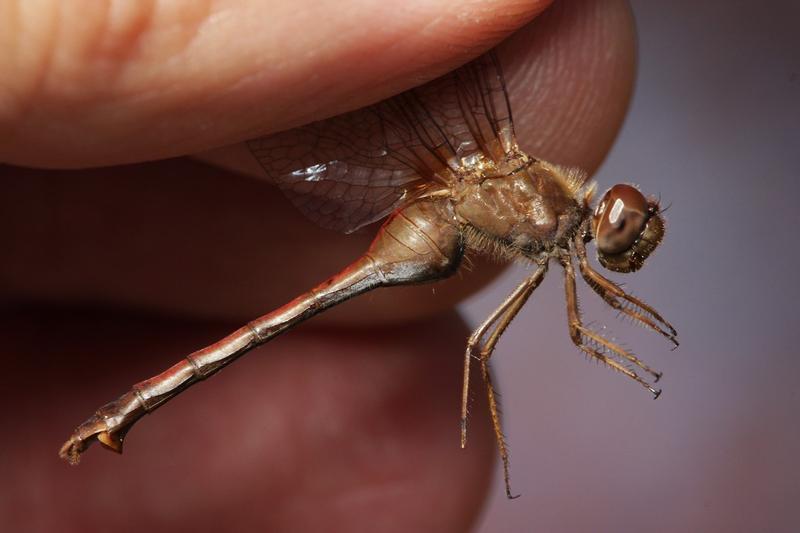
[[570, 75], [570, 78], [126, 85]]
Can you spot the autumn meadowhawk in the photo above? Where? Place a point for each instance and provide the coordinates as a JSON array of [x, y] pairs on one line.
[[441, 161]]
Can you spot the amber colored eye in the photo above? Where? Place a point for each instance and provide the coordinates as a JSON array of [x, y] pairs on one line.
[[627, 228], [619, 219]]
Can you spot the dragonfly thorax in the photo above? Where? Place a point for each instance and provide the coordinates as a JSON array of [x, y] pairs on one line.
[[528, 210]]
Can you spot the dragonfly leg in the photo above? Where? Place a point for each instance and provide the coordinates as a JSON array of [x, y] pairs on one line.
[[495, 325], [502, 316], [594, 344], [496, 425], [629, 305], [413, 246]]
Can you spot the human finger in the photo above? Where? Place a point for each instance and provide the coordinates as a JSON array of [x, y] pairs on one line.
[[89, 84]]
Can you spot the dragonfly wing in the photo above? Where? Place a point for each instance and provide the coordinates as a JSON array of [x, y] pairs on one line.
[[336, 174], [471, 105], [356, 168]]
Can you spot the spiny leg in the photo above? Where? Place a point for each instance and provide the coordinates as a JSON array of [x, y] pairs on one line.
[[579, 334], [508, 311], [531, 283], [611, 293], [598, 340], [499, 321], [502, 316], [496, 425]]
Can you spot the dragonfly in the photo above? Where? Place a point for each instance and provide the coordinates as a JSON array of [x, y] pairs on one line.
[[442, 165]]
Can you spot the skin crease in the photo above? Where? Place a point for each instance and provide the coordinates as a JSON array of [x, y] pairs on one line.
[[364, 435]]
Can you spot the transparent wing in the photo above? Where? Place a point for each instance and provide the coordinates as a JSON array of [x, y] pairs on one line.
[[339, 172], [471, 106], [356, 168]]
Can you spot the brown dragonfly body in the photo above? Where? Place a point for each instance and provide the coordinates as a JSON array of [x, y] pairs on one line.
[[442, 162]]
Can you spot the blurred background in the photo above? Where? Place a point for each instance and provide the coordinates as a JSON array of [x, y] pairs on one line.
[[714, 128]]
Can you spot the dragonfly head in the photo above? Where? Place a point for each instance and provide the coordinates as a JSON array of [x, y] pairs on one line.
[[626, 227]]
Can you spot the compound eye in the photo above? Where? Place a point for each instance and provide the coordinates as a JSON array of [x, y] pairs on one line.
[[620, 219]]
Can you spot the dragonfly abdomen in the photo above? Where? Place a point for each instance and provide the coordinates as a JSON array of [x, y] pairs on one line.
[[419, 243]]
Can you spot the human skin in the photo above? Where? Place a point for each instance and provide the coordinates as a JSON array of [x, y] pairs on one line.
[[113, 268]]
